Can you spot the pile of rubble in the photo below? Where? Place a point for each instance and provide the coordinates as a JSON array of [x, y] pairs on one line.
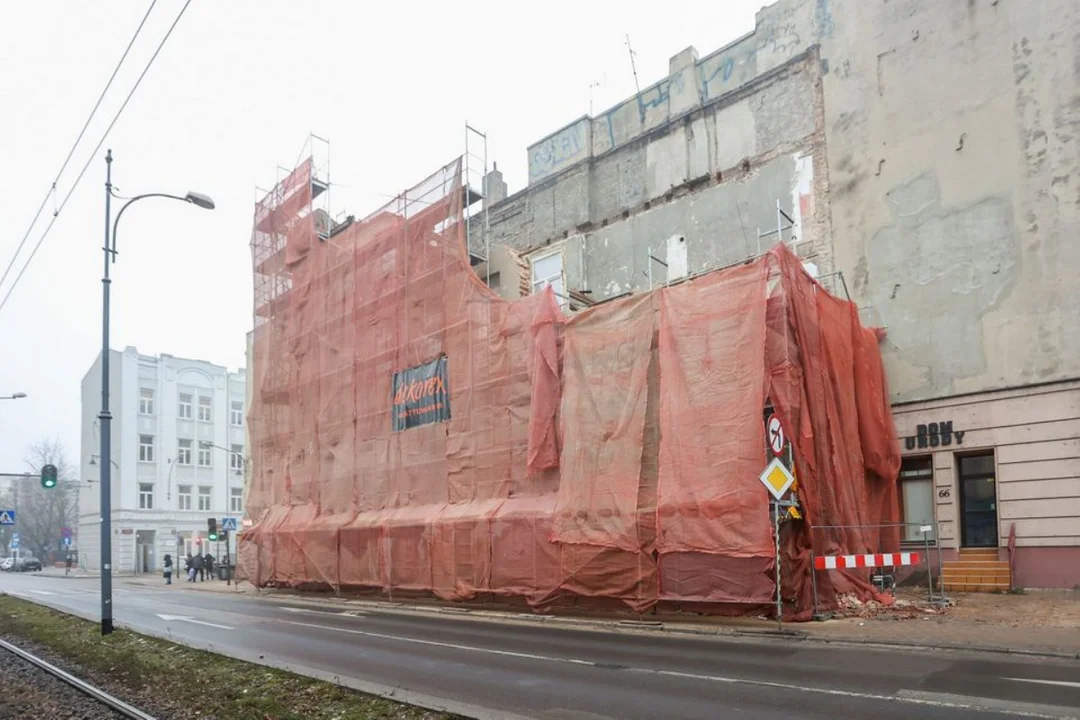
[[900, 609]]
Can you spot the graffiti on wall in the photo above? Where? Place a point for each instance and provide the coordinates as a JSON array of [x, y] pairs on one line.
[[560, 150]]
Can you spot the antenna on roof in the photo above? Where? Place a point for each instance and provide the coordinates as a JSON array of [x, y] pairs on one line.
[[633, 67]]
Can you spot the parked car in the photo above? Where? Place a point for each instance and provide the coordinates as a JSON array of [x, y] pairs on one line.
[[28, 564], [7, 564]]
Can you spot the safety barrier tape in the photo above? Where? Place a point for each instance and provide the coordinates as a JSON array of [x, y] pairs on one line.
[[872, 560]]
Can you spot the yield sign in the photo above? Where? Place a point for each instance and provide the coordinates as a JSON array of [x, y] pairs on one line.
[[776, 478], [776, 435], [7, 517]]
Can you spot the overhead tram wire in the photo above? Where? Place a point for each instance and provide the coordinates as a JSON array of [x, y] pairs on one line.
[[75, 145], [93, 154]]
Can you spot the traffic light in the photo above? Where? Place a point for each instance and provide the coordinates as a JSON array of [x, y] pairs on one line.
[[211, 529], [48, 476]]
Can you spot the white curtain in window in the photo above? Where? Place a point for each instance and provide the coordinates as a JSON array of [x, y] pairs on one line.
[[918, 499]]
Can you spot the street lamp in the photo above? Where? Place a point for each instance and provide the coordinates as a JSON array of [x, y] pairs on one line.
[[94, 461], [199, 200], [13, 396]]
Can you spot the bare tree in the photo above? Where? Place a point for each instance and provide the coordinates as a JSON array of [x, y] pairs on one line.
[[42, 513]]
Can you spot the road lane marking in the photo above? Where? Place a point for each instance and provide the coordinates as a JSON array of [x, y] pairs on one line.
[[42, 592], [1062, 683], [436, 643], [909, 700], [185, 618], [347, 613]]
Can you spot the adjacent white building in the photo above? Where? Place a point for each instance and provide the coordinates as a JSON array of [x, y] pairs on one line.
[[178, 458]]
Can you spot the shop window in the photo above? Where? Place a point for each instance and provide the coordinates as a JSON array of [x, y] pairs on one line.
[[917, 497]]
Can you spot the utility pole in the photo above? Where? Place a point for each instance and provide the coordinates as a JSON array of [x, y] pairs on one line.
[[105, 418]]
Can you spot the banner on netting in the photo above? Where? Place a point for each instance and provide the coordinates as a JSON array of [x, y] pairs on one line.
[[421, 395]]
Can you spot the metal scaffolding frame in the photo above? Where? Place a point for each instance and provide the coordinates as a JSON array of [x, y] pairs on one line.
[[475, 182]]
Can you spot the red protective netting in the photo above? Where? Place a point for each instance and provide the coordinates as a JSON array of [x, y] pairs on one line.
[[611, 455]]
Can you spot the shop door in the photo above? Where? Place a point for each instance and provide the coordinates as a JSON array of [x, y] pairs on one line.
[[978, 501]]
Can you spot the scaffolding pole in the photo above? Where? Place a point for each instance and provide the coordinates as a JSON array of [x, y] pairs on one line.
[[477, 164]]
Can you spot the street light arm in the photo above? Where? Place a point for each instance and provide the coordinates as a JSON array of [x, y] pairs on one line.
[[197, 199]]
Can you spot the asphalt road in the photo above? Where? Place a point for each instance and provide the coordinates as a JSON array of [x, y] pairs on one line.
[[500, 670]]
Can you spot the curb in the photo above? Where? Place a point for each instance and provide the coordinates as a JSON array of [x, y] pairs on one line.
[[995, 649]]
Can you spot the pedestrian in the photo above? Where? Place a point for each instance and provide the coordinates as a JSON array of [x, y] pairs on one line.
[[168, 569], [208, 564], [189, 568], [67, 564], [197, 564]]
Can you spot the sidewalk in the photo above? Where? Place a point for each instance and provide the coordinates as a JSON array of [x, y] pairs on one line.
[[76, 574], [1037, 622]]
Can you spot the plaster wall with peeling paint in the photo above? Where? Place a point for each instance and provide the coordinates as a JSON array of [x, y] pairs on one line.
[[928, 153]]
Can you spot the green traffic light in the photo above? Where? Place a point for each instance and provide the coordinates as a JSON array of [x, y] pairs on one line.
[[48, 476]]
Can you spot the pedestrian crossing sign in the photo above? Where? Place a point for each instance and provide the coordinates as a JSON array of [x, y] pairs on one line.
[[7, 517], [228, 524]]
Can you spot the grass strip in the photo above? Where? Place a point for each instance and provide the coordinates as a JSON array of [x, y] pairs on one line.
[[176, 681]]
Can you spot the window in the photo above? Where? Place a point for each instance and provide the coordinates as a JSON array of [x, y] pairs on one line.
[[236, 413], [146, 448], [206, 410], [204, 497], [236, 500], [236, 457], [204, 455], [547, 270], [917, 497], [146, 496], [184, 494], [146, 401], [183, 452], [185, 406]]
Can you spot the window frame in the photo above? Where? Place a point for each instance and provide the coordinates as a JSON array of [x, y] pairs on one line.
[[183, 498], [146, 450], [183, 407], [207, 453], [926, 476], [146, 497], [208, 406], [561, 293], [236, 415], [236, 457], [146, 401], [208, 496], [236, 500], [183, 452]]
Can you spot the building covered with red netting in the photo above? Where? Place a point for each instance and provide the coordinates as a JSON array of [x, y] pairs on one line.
[[413, 432]]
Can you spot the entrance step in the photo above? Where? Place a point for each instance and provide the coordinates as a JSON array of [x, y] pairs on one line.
[[979, 553], [976, 571]]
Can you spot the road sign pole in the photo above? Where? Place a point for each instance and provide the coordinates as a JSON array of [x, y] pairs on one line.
[[779, 601]]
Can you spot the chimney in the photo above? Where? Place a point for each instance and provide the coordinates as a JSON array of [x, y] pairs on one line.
[[494, 187], [686, 58]]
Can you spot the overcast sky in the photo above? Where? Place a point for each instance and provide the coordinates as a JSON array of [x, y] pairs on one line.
[[235, 92]]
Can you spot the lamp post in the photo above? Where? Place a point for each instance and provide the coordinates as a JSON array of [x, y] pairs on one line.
[[13, 396], [105, 416]]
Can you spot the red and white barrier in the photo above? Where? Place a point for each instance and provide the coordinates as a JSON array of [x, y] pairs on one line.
[[873, 560]]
